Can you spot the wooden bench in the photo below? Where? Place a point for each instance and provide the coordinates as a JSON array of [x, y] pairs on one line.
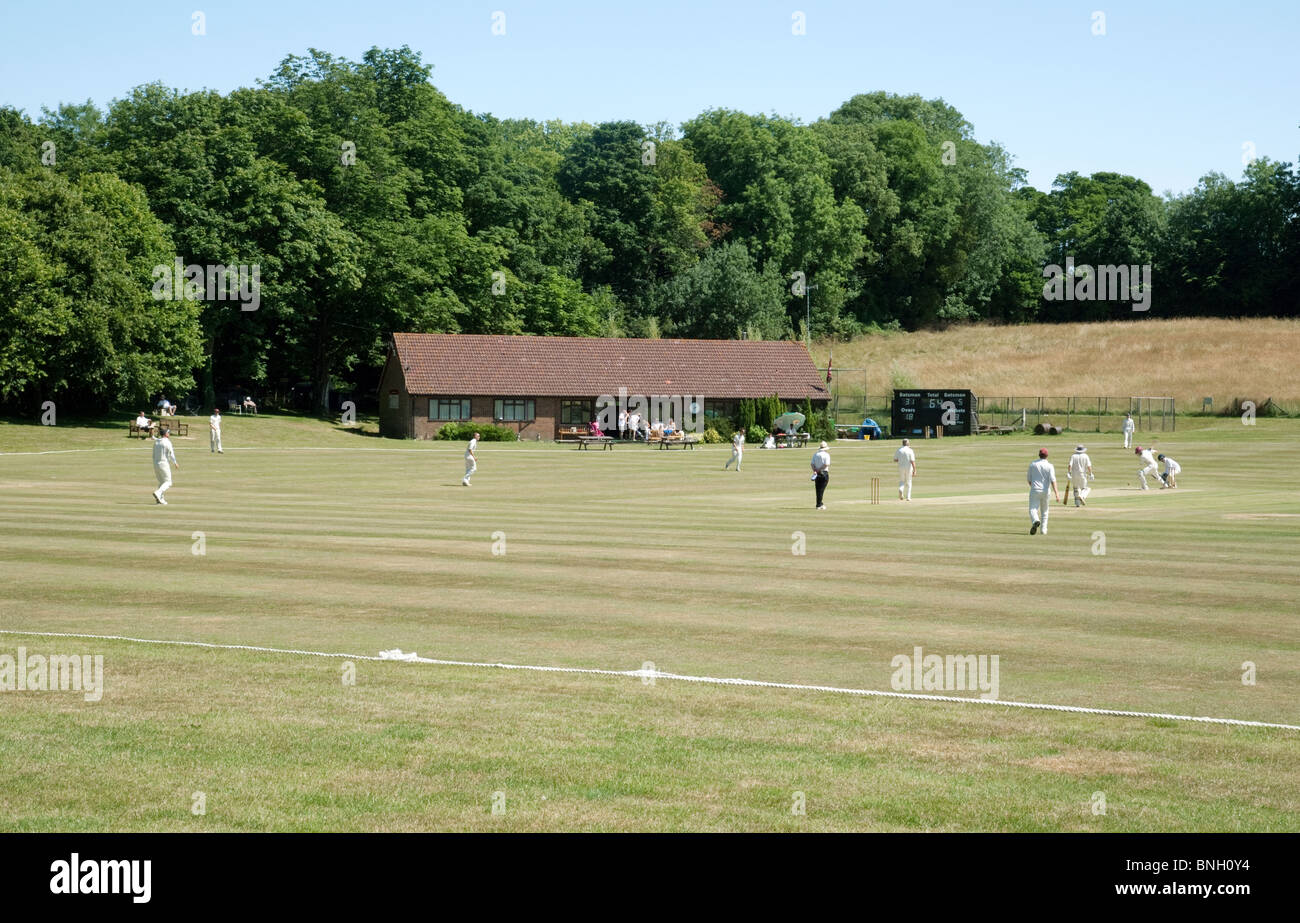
[[177, 428], [679, 441], [572, 434], [800, 439], [605, 442]]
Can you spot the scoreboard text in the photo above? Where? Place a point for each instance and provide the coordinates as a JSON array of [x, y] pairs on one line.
[[916, 410]]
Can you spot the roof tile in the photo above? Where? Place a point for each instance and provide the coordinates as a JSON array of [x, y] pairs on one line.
[[536, 366]]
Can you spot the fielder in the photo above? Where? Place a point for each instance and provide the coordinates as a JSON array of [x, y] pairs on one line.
[[471, 464], [1079, 474], [1148, 465], [1041, 476], [1171, 468], [1129, 428], [214, 431], [906, 460], [737, 450], [164, 456]]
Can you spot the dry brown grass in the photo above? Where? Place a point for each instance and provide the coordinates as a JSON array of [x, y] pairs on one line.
[[1187, 359]]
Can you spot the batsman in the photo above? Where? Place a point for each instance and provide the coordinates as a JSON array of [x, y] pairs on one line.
[[1079, 476]]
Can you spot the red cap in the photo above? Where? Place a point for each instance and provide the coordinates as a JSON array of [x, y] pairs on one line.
[[1042, 453]]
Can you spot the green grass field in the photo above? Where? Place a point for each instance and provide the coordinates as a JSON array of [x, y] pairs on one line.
[[324, 540]]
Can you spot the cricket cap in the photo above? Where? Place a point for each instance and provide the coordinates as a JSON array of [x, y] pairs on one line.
[[1042, 453], [1137, 450]]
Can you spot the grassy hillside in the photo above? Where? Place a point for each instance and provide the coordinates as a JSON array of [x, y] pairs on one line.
[[1187, 359]]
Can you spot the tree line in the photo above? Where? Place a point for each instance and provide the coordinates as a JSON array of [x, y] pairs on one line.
[[368, 202]]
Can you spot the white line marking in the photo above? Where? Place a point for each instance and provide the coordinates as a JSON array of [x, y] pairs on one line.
[[398, 657]]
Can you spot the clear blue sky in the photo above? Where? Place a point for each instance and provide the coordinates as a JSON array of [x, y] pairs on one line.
[[1172, 90]]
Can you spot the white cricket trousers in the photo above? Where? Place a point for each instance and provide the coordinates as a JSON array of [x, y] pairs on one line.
[[1039, 504], [470, 467], [1142, 474], [164, 473], [214, 439], [1128, 439], [736, 456], [1081, 488], [905, 483]]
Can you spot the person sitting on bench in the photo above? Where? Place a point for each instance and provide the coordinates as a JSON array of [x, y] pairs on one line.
[[594, 429], [142, 422], [249, 406]]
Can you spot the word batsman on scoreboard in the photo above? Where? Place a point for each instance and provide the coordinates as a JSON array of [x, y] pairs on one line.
[[917, 412]]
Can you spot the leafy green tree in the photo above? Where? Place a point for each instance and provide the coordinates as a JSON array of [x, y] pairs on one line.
[[777, 199], [82, 324], [1103, 219], [1234, 248], [724, 296]]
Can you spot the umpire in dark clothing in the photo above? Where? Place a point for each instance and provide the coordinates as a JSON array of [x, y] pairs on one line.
[[821, 466]]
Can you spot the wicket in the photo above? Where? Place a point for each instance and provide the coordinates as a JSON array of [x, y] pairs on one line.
[[875, 490]]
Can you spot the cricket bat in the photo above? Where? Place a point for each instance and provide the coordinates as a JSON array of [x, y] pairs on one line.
[[1065, 498]]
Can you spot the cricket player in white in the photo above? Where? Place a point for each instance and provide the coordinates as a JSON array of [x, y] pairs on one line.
[[1080, 474], [471, 464], [1129, 427], [821, 476], [1041, 476], [214, 431], [1171, 468], [622, 424], [1148, 465], [164, 456], [906, 460], [737, 451]]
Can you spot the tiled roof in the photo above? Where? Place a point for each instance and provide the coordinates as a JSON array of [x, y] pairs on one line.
[[535, 366]]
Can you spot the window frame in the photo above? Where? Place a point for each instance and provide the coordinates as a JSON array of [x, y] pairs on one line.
[[529, 410], [588, 414], [466, 408]]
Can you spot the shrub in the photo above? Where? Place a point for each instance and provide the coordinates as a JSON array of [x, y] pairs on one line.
[[487, 432], [748, 414], [723, 427], [821, 427], [711, 436], [755, 435]]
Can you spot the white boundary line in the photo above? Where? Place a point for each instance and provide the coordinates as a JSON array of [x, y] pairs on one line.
[[398, 656]]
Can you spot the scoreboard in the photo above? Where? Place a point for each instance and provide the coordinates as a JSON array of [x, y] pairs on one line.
[[915, 410]]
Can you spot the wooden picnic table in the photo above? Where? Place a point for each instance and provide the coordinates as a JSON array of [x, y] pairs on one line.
[[679, 441], [605, 442]]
